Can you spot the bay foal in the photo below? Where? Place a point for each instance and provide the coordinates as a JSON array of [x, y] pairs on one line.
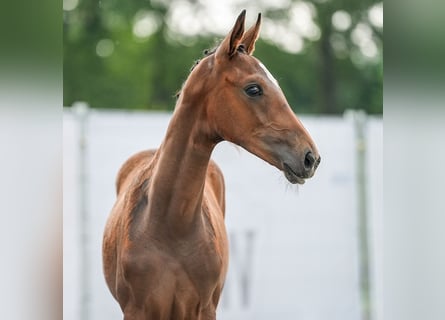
[[165, 248]]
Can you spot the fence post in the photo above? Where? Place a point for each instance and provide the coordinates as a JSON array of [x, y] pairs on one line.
[[359, 119], [81, 112]]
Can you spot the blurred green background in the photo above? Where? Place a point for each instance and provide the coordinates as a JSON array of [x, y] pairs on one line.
[[135, 54]]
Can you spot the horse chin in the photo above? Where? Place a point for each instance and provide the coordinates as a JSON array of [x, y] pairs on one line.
[[291, 176]]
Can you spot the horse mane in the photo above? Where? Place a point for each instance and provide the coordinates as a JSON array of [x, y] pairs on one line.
[[207, 52]]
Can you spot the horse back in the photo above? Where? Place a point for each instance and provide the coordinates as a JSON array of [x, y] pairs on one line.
[[131, 167], [215, 180]]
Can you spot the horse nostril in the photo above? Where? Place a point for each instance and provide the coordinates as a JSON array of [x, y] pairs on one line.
[[309, 160], [317, 162]]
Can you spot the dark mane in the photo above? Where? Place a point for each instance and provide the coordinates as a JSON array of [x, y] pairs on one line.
[[206, 53]]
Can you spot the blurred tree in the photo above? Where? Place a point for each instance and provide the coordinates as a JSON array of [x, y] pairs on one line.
[[335, 74], [131, 54]]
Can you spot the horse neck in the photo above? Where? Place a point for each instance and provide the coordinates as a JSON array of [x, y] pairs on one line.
[[178, 180]]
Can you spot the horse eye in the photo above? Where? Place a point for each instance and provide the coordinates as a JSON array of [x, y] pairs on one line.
[[253, 90]]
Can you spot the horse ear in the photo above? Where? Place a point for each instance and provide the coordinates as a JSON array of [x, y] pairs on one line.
[[228, 46], [251, 36]]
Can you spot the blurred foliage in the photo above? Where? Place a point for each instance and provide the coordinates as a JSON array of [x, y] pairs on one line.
[[108, 66]]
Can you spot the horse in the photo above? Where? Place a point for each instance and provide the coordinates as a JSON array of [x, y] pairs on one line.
[[165, 247]]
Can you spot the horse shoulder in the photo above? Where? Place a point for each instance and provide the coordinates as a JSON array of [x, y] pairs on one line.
[[119, 221], [130, 168]]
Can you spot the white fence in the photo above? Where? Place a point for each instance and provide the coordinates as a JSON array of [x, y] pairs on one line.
[[295, 252]]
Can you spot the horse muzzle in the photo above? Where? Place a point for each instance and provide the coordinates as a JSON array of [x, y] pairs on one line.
[[296, 173]]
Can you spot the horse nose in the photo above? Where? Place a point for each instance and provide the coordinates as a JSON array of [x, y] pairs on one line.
[[311, 162]]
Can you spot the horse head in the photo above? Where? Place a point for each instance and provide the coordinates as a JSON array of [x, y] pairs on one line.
[[245, 105]]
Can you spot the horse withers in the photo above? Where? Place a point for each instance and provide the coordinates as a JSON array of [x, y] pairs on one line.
[[165, 247]]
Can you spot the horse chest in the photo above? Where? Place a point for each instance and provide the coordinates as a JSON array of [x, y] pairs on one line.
[[204, 259], [191, 269]]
